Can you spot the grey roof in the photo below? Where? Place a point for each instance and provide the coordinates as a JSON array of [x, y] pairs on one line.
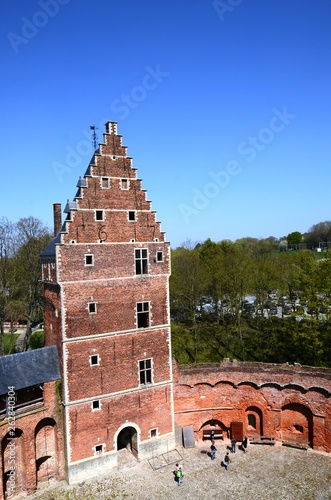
[[26, 369], [49, 251]]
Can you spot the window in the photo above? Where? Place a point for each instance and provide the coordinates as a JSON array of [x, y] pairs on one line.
[[105, 182], [98, 449], [143, 314], [21, 401], [252, 420], [96, 405], [159, 256], [92, 307], [145, 371], [132, 215], [153, 433], [99, 215], [94, 359], [124, 183], [140, 255], [89, 260]]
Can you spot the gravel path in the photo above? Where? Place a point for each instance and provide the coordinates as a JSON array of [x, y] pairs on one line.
[[263, 473]]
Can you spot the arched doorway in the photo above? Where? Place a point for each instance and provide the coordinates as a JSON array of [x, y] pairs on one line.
[[128, 438], [13, 463], [297, 423], [254, 421], [46, 450]]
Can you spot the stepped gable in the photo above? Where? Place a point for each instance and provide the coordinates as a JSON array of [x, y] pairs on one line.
[[110, 204]]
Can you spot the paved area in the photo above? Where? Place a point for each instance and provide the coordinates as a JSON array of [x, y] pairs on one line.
[[263, 473]]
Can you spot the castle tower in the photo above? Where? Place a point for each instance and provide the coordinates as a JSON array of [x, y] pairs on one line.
[[106, 281]]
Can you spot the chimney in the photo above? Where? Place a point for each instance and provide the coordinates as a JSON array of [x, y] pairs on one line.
[[57, 217]]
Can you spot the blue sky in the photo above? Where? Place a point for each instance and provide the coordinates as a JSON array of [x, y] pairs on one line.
[[225, 107]]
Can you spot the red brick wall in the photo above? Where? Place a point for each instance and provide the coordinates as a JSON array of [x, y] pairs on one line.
[[288, 402], [150, 408], [118, 362], [39, 435]]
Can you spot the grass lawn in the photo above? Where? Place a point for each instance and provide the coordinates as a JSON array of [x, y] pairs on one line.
[[10, 340]]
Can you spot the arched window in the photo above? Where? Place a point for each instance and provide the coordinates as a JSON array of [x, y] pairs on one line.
[[251, 420]]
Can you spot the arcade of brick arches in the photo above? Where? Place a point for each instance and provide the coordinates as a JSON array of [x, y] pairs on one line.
[[107, 359], [289, 402]]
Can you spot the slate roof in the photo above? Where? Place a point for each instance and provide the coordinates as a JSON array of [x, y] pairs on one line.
[[49, 251], [29, 368]]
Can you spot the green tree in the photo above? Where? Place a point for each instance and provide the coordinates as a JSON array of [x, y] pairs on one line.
[[294, 238], [32, 237]]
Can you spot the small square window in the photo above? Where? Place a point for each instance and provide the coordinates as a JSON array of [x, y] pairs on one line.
[[159, 256], [89, 260], [132, 215], [96, 405], [99, 215], [153, 433], [98, 449], [105, 182], [92, 307], [94, 359], [124, 183]]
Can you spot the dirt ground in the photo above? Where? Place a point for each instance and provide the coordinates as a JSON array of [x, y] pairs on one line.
[[264, 472]]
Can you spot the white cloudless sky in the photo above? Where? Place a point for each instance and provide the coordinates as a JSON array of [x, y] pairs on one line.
[[225, 107]]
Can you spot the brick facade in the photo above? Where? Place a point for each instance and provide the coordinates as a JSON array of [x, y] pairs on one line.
[[106, 280]]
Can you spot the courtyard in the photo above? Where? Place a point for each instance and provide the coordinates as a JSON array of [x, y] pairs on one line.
[[263, 473]]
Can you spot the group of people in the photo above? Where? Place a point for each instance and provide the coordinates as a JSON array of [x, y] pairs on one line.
[[227, 460]]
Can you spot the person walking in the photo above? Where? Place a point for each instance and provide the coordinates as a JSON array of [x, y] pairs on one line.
[[213, 450], [244, 444], [233, 444], [179, 476], [227, 460]]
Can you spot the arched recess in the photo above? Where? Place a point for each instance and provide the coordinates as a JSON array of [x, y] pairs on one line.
[[297, 423], [253, 421], [12, 453], [46, 450], [213, 424], [127, 437]]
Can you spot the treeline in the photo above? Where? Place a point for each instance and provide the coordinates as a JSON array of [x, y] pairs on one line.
[[21, 292], [250, 301]]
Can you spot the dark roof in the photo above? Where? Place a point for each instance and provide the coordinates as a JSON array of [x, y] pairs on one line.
[[49, 251], [29, 368]]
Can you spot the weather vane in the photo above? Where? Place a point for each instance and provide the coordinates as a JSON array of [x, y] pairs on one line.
[[94, 136]]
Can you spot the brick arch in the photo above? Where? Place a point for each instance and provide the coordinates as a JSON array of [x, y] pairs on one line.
[[254, 422], [297, 423], [133, 437], [12, 455], [212, 423], [46, 450]]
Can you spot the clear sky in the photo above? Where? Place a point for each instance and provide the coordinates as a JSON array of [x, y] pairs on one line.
[[225, 107]]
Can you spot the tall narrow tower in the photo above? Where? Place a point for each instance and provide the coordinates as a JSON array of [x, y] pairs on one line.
[[106, 279]]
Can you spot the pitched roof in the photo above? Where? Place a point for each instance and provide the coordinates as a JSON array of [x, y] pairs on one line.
[[26, 369]]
